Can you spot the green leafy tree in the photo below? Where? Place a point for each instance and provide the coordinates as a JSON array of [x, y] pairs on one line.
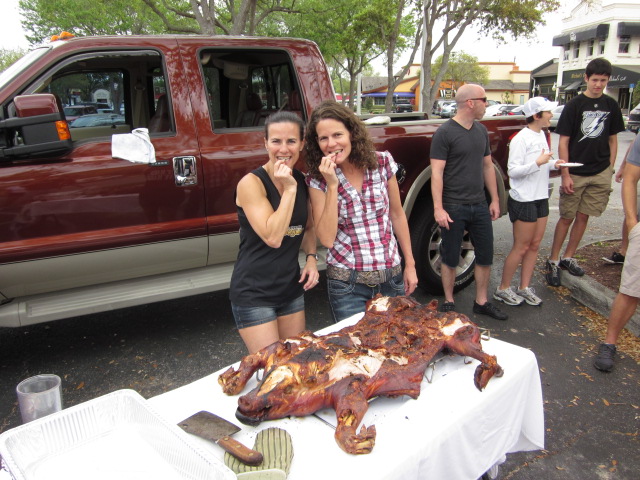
[[446, 20], [9, 56], [506, 98], [208, 17], [462, 68], [406, 27], [345, 32], [227, 17], [44, 18]]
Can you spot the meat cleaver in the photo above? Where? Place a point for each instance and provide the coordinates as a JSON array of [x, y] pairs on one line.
[[216, 429]]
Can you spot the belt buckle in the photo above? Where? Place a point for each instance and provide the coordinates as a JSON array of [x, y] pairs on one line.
[[367, 277]]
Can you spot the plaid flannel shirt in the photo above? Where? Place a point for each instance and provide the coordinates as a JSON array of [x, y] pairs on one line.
[[365, 240]]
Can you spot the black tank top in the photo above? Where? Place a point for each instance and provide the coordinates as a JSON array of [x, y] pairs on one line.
[[265, 276]]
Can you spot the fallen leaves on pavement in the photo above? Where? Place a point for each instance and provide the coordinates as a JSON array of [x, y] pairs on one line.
[[627, 342]]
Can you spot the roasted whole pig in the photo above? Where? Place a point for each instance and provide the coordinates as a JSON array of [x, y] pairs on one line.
[[384, 354]]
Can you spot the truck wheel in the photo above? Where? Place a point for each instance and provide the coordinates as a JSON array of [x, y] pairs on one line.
[[425, 242]]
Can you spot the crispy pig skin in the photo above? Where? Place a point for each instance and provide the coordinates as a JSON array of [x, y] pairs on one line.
[[385, 354]]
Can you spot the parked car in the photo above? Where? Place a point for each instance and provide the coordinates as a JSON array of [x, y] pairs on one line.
[[449, 110], [493, 102], [556, 116], [492, 110], [74, 111], [504, 109], [438, 104], [97, 120], [516, 111], [633, 124], [403, 105]]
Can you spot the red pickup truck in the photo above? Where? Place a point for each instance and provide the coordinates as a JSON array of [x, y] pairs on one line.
[[83, 232]]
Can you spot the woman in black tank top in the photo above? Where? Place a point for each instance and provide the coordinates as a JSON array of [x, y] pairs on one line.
[[267, 286]]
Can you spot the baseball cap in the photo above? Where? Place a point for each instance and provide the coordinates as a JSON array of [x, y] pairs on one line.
[[536, 105]]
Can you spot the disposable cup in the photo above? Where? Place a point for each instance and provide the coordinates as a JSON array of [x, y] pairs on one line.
[[39, 396]]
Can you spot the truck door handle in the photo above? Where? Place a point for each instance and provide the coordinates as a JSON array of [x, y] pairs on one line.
[[184, 170]]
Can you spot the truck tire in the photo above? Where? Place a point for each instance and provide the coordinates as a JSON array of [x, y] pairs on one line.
[[425, 243]]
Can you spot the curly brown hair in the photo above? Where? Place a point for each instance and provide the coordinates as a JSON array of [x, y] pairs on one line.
[[362, 148]]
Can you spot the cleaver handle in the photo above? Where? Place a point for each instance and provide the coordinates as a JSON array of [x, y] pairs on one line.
[[241, 452]]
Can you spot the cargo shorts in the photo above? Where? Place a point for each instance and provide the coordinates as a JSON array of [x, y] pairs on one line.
[[630, 279], [590, 195]]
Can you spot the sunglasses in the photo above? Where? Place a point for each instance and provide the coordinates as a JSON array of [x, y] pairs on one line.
[[484, 99]]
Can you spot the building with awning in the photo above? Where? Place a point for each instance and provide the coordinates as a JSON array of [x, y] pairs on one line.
[[506, 83], [543, 80], [591, 30]]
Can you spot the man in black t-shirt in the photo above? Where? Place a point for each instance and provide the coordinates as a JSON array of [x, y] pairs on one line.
[[461, 169], [588, 129]]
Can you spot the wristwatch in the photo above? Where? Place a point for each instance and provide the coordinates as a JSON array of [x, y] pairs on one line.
[[314, 255]]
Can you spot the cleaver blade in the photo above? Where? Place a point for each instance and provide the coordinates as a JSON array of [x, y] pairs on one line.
[[218, 430]]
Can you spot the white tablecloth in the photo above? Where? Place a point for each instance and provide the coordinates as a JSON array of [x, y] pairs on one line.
[[451, 431]]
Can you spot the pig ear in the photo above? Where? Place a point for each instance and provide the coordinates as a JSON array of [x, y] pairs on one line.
[[277, 449]]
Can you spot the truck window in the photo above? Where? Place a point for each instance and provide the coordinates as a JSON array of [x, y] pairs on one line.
[[244, 87], [110, 92]]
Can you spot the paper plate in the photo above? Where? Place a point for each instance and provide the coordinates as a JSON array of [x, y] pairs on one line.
[[569, 164]]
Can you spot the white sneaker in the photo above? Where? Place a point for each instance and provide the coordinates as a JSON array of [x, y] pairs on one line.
[[508, 296], [529, 296]]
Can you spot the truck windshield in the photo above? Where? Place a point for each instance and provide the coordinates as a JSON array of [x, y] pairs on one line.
[[15, 69]]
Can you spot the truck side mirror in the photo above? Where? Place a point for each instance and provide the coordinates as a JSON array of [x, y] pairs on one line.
[[38, 129]]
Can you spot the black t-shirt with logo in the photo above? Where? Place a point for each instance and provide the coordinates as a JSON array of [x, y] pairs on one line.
[[589, 122]]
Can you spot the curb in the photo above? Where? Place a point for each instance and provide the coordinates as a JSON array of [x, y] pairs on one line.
[[597, 297]]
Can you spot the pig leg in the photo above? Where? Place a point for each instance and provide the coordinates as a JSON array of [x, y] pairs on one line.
[[351, 405], [233, 381], [466, 341]]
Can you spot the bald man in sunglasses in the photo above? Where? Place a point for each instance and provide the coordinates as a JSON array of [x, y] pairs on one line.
[[461, 169]]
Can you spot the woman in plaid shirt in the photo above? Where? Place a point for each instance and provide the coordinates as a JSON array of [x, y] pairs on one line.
[[357, 210]]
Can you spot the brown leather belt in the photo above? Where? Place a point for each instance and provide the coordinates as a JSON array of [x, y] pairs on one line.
[[375, 277]]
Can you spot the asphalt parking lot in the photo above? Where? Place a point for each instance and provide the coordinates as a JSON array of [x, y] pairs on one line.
[[592, 419]]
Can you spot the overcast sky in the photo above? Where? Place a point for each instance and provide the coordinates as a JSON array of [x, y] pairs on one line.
[[527, 55]]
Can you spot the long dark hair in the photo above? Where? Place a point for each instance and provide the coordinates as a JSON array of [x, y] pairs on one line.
[[362, 148]]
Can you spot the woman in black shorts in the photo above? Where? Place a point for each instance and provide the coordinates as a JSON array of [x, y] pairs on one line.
[[529, 164]]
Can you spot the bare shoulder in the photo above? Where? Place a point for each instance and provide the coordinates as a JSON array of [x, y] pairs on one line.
[[249, 187]]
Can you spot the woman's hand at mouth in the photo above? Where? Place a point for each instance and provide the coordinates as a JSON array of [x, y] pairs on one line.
[[328, 169]]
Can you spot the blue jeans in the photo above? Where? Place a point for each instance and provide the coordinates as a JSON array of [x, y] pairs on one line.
[[348, 298]]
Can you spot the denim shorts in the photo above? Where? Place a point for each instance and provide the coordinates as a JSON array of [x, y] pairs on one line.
[[347, 298], [475, 219], [252, 316], [528, 211]]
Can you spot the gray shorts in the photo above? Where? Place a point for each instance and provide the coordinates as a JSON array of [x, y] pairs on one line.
[[630, 280]]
